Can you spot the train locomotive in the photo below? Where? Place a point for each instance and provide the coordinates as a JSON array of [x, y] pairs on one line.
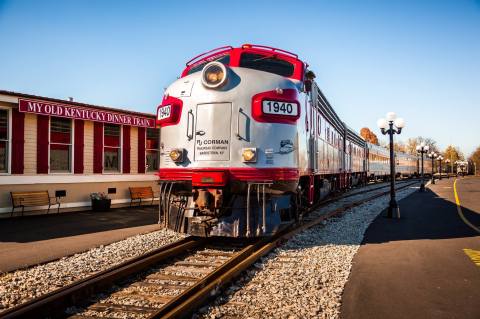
[[249, 141]]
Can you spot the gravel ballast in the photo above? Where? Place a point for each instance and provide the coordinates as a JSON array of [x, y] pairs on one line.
[[306, 276], [22, 285]]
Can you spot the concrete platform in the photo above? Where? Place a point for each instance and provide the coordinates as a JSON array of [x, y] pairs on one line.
[[30, 240], [423, 265]]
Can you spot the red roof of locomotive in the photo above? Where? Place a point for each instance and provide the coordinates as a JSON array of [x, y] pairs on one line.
[[235, 57]]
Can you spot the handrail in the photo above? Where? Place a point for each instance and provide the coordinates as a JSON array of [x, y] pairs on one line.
[[253, 46], [190, 136], [240, 110], [208, 52]]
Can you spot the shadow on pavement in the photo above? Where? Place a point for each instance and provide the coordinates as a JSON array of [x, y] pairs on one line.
[[42, 227], [423, 216]]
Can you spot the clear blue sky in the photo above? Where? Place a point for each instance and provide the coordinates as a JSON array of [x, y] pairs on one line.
[[420, 59]]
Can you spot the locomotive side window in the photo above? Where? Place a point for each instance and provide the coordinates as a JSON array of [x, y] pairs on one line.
[[225, 59], [266, 63]]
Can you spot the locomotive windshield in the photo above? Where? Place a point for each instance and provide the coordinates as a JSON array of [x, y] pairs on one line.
[[225, 59], [267, 63]]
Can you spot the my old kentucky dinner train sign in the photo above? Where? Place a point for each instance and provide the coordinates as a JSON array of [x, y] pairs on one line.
[[83, 113]]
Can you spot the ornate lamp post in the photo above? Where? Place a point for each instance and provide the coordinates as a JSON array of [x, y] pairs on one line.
[[422, 149], [440, 159], [432, 156], [391, 125], [447, 161]]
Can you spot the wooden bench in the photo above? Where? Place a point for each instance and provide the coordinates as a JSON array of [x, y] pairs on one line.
[[140, 193], [30, 199]]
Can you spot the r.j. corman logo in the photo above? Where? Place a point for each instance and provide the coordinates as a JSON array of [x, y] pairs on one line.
[[74, 112], [212, 142]]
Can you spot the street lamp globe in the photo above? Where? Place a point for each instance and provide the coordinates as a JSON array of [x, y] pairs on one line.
[[426, 148], [418, 148], [400, 122], [391, 116], [382, 123], [422, 144]]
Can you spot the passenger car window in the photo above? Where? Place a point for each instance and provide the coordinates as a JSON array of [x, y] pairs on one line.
[[266, 63]]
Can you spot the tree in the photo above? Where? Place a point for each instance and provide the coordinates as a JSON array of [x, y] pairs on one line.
[[475, 158], [453, 154], [412, 144], [369, 136], [399, 147]]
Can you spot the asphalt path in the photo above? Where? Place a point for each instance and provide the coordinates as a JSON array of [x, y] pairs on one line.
[[425, 265]]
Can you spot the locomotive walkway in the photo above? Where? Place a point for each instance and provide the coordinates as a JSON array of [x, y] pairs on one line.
[[425, 265], [31, 240]]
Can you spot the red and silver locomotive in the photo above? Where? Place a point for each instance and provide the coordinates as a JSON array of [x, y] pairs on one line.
[[248, 138]]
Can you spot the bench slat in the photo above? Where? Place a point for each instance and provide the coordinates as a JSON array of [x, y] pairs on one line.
[[35, 198], [141, 192]]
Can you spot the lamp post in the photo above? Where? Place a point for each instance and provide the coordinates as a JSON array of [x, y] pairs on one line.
[[391, 125], [447, 161], [440, 159], [422, 149], [432, 156]]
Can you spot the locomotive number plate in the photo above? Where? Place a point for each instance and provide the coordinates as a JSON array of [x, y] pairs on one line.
[[279, 108], [164, 112]]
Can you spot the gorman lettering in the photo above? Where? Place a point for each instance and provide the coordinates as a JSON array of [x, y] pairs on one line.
[[61, 110]]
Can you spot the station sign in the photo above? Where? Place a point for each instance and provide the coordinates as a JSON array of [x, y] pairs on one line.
[[83, 113]]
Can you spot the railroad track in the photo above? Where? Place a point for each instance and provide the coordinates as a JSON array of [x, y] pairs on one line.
[[383, 185], [169, 282]]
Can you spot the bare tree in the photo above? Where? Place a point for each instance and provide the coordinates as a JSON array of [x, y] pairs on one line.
[[412, 143], [399, 147]]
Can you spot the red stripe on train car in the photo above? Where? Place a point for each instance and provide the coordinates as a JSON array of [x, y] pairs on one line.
[[241, 174]]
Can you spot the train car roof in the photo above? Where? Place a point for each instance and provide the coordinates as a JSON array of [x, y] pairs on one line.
[[326, 109], [354, 137]]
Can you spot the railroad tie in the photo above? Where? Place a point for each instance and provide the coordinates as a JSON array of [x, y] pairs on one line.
[[121, 308]]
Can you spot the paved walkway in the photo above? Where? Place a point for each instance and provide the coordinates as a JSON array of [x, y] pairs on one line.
[[30, 240], [424, 265]]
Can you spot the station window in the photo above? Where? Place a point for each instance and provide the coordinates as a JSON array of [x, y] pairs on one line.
[[60, 145], [111, 148], [4, 141], [152, 152]]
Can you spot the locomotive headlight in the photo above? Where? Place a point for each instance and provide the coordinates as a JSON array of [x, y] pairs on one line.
[[249, 154], [176, 155], [214, 75]]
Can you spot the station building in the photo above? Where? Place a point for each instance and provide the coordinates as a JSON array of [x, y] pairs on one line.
[[73, 149]]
